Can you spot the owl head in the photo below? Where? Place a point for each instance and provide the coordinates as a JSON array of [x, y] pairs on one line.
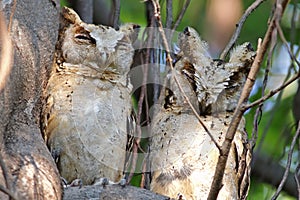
[[94, 45], [193, 47]]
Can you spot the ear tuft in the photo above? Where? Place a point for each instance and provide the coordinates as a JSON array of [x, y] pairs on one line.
[[70, 15]]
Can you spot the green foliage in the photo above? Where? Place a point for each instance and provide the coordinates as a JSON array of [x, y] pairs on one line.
[[274, 124], [259, 190]]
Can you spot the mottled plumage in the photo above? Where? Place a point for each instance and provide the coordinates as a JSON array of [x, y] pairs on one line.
[[88, 100], [217, 82], [182, 155]]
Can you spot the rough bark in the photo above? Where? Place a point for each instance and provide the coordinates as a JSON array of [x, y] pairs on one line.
[[31, 170], [112, 192]]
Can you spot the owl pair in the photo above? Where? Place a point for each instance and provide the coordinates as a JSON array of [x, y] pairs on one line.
[[88, 106]]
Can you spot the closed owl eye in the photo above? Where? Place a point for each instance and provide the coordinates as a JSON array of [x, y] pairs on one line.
[[84, 38]]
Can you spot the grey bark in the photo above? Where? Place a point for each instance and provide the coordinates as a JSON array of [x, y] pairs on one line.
[[112, 192], [31, 171]]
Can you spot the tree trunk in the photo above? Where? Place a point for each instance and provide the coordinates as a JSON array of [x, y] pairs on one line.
[[31, 170]]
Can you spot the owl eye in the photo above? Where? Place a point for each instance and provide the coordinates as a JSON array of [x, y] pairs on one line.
[[85, 38], [187, 32]]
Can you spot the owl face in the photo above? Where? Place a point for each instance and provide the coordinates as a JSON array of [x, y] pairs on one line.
[[217, 83], [193, 47], [95, 45]]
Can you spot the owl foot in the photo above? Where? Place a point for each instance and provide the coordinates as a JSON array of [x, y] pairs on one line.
[[105, 181], [180, 197], [74, 183]]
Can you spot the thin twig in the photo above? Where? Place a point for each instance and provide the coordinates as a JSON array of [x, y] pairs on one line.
[[142, 96], [181, 14], [258, 111], [271, 93], [116, 12], [293, 57], [238, 113], [239, 26], [169, 11], [297, 179], [288, 164], [170, 63]]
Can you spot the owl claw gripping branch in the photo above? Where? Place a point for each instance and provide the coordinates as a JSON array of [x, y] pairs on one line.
[[182, 154], [88, 99]]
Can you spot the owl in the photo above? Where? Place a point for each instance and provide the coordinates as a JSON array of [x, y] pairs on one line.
[[183, 156], [88, 99]]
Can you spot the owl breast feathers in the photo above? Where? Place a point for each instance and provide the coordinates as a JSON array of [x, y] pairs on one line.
[[183, 156], [88, 99]]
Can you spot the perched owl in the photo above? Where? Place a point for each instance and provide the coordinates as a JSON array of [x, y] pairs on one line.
[[182, 155], [88, 100]]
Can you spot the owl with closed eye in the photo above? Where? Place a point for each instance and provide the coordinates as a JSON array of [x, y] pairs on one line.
[[88, 99], [183, 156]]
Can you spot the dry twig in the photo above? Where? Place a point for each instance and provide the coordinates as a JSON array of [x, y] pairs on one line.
[[181, 14], [239, 26], [288, 165], [297, 179], [116, 13]]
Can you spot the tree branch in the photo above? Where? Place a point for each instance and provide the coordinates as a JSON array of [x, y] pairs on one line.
[[181, 14], [271, 93], [269, 171], [116, 13], [288, 164], [239, 26]]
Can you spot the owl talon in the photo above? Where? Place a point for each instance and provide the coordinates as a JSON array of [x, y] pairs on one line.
[[180, 197], [64, 182], [104, 182], [76, 183], [122, 182]]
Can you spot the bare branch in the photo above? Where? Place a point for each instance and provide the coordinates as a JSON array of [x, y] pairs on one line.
[[293, 57], [270, 171], [239, 26], [169, 11], [180, 16], [297, 179], [271, 93], [239, 111], [288, 164], [116, 12], [170, 63]]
